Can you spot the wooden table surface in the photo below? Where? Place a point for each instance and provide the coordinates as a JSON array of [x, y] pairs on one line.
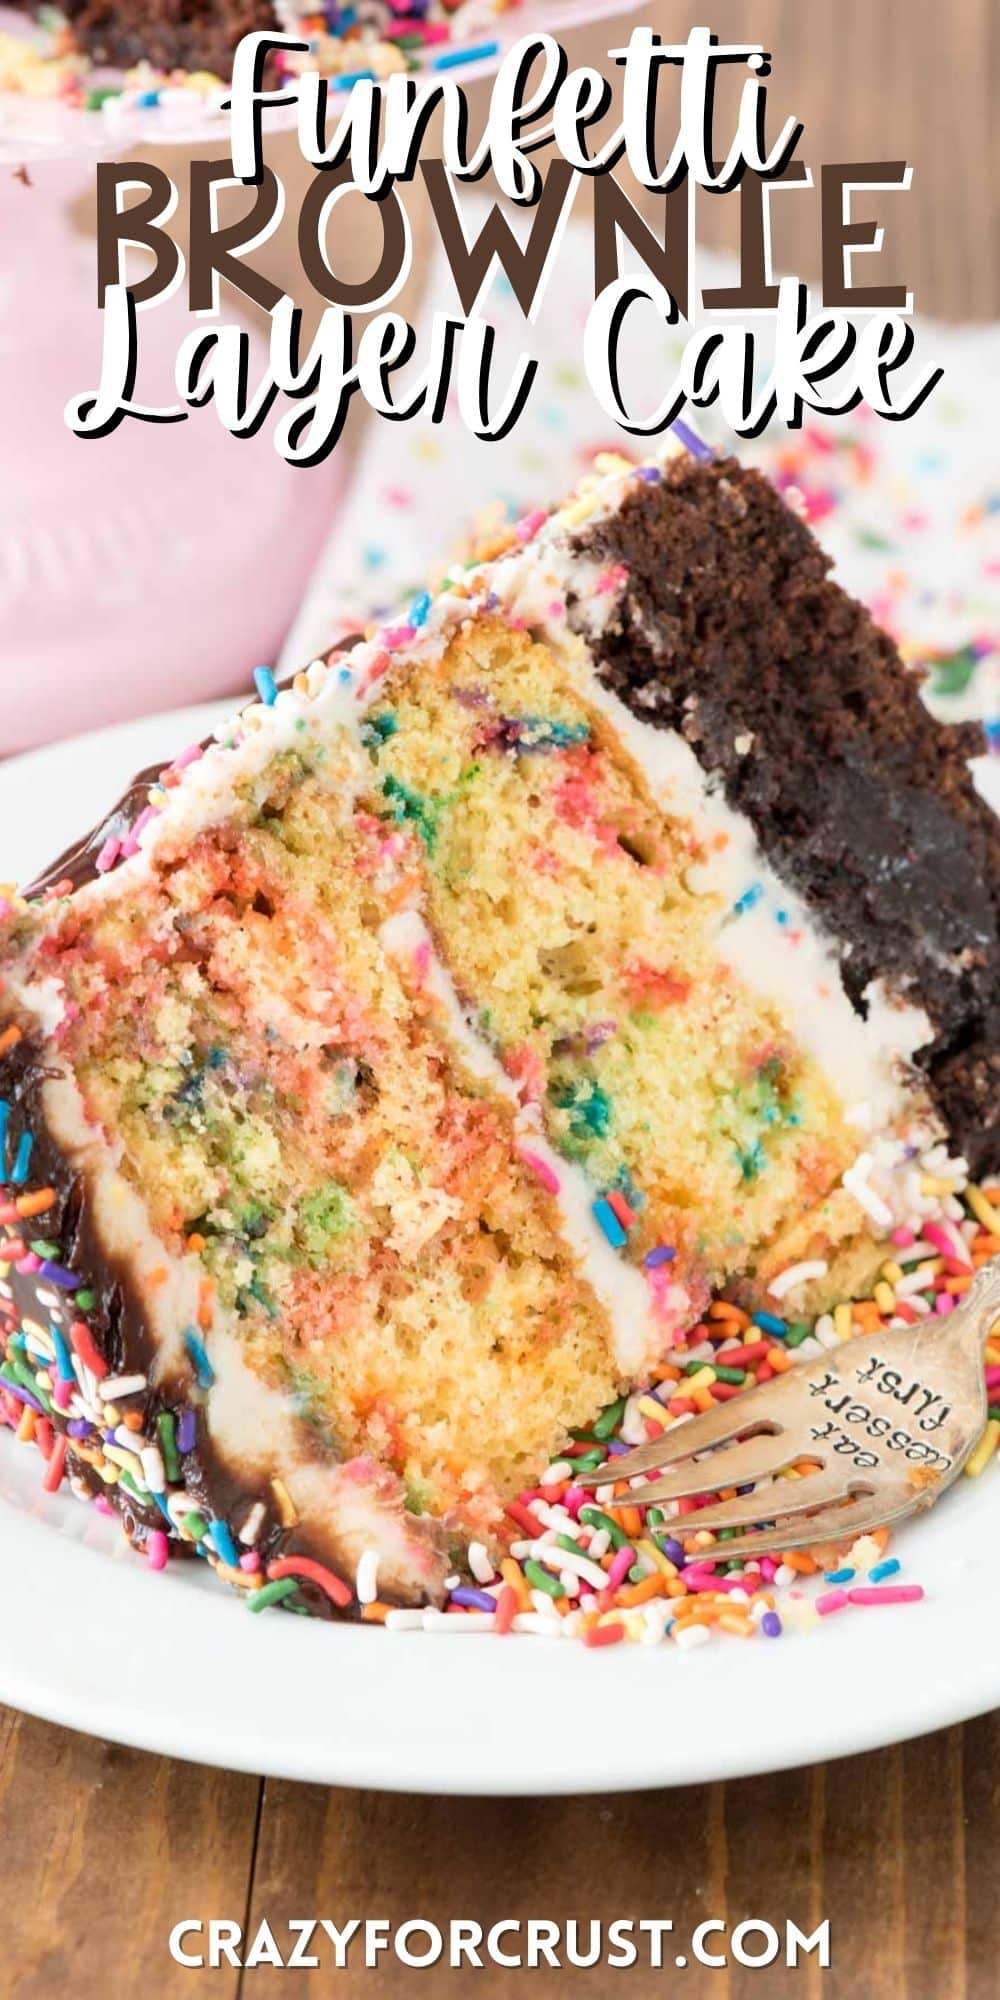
[[103, 1849]]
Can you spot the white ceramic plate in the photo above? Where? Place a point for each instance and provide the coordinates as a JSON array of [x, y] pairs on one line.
[[171, 1662]]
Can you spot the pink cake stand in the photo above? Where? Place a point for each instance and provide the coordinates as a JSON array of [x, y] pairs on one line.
[[159, 565], [152, 567]]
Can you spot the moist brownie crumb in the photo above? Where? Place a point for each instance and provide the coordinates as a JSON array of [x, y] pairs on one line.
[[730, 629], [171, 34]]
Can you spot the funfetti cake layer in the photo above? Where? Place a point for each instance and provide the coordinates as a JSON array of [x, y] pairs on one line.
[[397, 1079]]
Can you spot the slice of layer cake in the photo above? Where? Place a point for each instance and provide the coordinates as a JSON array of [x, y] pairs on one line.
[[395, 1081]]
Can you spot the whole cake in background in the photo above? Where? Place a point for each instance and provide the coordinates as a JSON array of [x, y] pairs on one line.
[[196, 38], [173, 35], [397, 1079]]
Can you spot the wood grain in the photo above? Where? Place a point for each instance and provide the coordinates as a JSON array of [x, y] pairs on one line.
[[869, 80], [884, 1846], [103, 1849]]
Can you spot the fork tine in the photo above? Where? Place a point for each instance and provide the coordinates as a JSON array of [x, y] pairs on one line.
[[731, 1465], [782, 1497], [682, 1440], [831, 1524]]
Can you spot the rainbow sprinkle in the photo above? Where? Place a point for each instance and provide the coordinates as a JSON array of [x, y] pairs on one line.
[[47, 63], [569, 1568]]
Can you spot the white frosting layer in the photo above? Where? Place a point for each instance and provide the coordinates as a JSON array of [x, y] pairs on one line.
[[533, 580], [620, 1286], [762, 930], [171, 1303], [254, 1427], [766, 933]]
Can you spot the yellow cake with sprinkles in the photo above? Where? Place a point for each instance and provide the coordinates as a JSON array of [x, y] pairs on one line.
[[540, 1019]]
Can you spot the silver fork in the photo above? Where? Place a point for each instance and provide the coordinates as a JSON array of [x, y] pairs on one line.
[[888, 1422]]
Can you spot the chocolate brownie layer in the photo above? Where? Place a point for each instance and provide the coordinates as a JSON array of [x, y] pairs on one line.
[[731, 632], [171, 34]]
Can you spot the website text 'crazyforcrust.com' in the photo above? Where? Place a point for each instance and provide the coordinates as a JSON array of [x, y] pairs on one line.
[[306, 1943]]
